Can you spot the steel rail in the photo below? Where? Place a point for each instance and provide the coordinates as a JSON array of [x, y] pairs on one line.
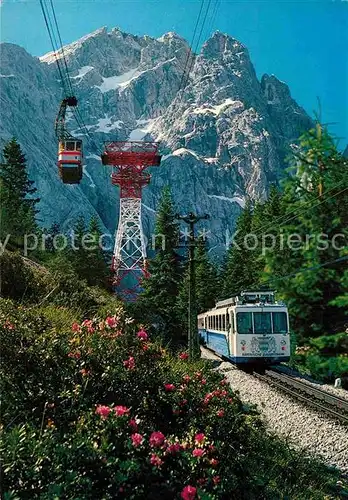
[[335, 407]]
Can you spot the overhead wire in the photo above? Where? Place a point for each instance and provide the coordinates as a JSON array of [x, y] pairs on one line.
[[214, 14], [298, 211], [47, 22], [61, 47], [191, 46], [62, 66], [300, 271], [197, 45]]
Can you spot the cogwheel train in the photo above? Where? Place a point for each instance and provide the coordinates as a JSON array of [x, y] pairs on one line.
[[251, 328]]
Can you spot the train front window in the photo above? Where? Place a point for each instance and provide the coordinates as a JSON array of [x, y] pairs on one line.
[[280, 324], [262, 322], [244, 322]]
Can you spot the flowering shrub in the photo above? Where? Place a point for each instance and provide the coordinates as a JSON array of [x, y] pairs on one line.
[[101, 411]]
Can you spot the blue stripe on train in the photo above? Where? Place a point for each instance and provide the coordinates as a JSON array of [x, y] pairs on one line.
[[218, 343]]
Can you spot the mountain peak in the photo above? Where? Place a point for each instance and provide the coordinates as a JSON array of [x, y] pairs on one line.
[[169, 36], [220, 43], [71, 47]]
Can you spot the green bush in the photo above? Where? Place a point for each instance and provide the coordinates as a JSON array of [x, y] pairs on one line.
[[326, 358], [29, 283], [98, 410]]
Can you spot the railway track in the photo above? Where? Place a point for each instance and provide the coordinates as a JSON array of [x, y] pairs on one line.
[[322, 401]]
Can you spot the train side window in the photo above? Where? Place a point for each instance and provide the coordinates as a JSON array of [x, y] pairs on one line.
[[220, 322], [224, 322], [280, 324]]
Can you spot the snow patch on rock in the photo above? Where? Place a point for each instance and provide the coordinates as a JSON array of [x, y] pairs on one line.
[[118, 81], [139, 133], [92, 185], [82, 72], [216, 110], [234, 199]]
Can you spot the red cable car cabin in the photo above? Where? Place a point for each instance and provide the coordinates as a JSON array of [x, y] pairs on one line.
[[70, 160]]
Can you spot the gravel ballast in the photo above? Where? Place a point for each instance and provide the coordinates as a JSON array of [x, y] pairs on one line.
[[303, 427]]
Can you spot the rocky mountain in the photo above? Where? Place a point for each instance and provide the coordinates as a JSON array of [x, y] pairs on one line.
[[223, 136]]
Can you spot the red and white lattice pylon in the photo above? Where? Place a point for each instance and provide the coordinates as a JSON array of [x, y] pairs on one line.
[[129, 160]]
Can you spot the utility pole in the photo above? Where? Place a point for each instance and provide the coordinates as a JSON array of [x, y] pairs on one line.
[[193, 341]]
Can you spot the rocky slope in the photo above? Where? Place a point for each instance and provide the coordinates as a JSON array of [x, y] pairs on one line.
[[223, 137]]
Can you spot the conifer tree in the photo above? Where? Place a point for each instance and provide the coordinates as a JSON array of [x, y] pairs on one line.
[[317, 204], [207, 284], [17, 192], [159, 296], [78, 254], [240, 268], [96, 257]]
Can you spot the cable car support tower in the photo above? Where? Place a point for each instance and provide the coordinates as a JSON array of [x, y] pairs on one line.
[[129, 160]]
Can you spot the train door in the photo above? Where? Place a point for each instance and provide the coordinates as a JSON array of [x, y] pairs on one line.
[[231, 332]]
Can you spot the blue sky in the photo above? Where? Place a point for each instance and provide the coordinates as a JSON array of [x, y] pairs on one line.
[[304, 43]]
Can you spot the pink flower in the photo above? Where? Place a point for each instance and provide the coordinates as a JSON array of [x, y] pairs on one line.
[[200, 437], [224, 382], [9, 325], [142, 335], [202, 481], [174, 448], [189, 493], [214, 462], [74, 355], [169, 387], [183, 356], [75, 327], [216, 479], [103, 411], [186, 378], [89, 324], [121, 410], [145, 347], [129, 364], [208, 397], [111, 321], [203, 381], [198, 375], [197, 452], [183, 402], [155, 460], [220, 413], [137, 439], [85, 372], [133, 425], [157, 439]]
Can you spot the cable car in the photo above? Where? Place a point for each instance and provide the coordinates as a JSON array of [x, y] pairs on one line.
[[70, 160]]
